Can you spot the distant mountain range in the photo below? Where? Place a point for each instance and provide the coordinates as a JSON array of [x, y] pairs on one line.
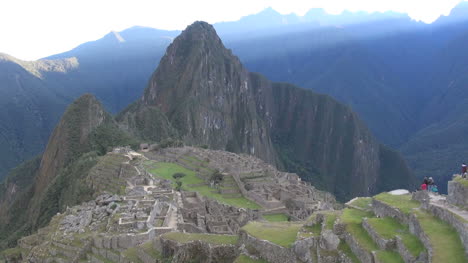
[[404, 78]]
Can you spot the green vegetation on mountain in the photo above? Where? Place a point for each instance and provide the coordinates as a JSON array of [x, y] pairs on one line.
[[48, 184]]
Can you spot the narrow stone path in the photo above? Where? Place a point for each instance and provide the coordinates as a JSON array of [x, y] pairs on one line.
[[440, 201]]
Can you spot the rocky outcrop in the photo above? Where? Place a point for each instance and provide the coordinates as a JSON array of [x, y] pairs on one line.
[[458, 193]]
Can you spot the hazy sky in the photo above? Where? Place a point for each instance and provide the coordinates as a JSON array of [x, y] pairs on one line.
[[31, 29]]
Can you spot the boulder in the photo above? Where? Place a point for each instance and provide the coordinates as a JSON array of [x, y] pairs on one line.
[[328, 240]]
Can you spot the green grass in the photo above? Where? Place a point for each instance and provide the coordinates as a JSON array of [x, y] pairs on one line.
[[208, 238], [280, 233], [330, 220], [388, 227], [462, 181], [402, 202], [148, 248], [245, 259], [166, 170], [310, 231], [132, 255], [385, 256], [446, 243], [348, 252], [276, 217], [11, 251], [353, 220], [362, 202]]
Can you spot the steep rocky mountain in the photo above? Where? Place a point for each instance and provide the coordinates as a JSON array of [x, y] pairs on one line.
[[210, 99], [45, 185]]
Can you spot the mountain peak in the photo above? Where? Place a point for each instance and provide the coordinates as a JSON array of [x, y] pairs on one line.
[[199, 31]]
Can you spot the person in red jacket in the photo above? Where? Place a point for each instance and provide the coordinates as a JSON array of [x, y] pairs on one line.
[[464, 169], [424, 186]]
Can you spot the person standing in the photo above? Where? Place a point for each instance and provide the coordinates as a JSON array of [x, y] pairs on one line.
[[464, 170]]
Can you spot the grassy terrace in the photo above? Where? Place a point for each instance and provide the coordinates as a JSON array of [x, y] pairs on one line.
[[276, 217], [462, 181], [245, 259], [362, 202], [347, 250], [208, 238], [280, 233], [389, 257], [330, 220], [191, 182], [309, 231], [444, 239], [389, 227], [353, 220], [402, 202], [132, 255]]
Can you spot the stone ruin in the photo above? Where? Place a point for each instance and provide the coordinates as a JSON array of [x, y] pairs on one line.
[[150, 206]]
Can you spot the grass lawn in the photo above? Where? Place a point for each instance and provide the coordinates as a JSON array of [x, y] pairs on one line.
[[444, 239], [362, 202], [385, 256], [245, 259], [132, 255], [353, 220], [209, 238], [315, 228], [276, 217], [166, 170], [330, 220], [280, 233], [402, 202], [388, 227], [348, 252], [464, 182]]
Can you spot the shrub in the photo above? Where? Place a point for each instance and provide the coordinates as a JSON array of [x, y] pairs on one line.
[[178, 186], [177, 176]]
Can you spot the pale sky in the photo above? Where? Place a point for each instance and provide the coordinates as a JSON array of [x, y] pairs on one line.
[[32, 29]]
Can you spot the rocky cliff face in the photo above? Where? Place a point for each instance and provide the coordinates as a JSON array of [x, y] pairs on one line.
[[211, 99], [208, 96], [70, 138]]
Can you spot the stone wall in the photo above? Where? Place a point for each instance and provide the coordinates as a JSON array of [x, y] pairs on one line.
[[198, 251], [457, 194], [360, 253], [406, 255], [266, 250], [382, 210], [457, 222], [386, 244], [416, 229]]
